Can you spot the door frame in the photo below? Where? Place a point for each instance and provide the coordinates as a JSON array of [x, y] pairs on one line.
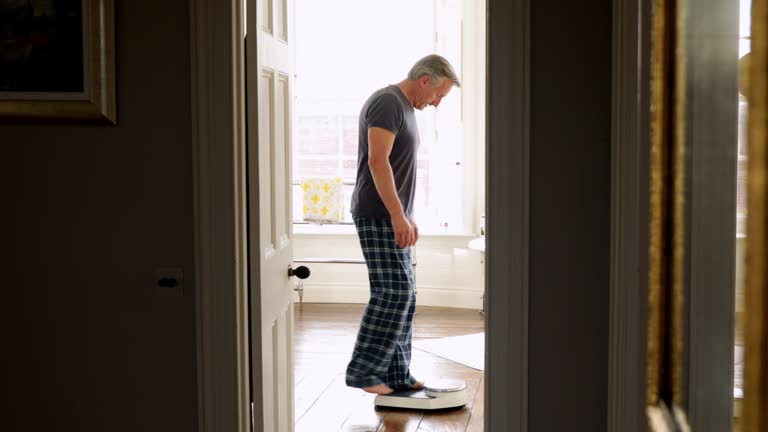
[[219, 180], [630, 150], [219, 183]]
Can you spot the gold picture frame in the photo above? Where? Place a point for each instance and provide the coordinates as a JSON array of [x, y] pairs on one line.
[[666, 345], [756, 286], [666, 291], [58, 62]]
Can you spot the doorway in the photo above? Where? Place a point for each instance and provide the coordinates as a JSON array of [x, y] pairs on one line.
[[236, 385]]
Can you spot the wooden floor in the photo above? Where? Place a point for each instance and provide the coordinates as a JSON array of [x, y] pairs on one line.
[[324, 339]]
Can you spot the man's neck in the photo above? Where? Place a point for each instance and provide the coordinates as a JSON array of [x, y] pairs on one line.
[[408, 87]]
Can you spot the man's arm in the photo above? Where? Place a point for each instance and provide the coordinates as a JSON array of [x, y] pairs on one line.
[[380, 143]]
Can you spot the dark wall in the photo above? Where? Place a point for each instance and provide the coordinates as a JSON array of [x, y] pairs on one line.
[[88, 213], [569, 215]]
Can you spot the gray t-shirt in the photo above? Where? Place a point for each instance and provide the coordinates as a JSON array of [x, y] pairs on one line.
[[389, 109]]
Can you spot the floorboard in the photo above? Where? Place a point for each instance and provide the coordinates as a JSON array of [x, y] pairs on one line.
[[324, 339]]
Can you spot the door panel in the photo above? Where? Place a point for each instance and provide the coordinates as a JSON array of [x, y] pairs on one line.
[[271, 251], [267, 220], [279, 160], [281, 19]]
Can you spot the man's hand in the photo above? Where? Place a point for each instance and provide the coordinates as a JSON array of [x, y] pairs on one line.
[[405, 235], [415, 229]]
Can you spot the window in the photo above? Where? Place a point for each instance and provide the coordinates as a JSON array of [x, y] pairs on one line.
[[745, 7], [344, 51], [741, 204]]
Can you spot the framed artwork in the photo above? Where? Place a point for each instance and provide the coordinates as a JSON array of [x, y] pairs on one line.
[[756, 285], [57, 61]]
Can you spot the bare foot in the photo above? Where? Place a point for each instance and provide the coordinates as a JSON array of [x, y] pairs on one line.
[[418, 385], [381, 389]]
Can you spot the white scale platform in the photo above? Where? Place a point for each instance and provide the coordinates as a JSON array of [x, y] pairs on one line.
[[438, 395]]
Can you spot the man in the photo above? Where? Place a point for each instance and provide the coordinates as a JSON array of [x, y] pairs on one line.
[[382, 208]]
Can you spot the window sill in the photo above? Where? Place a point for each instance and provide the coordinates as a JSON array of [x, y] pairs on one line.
[[316, 229], [333, 229]]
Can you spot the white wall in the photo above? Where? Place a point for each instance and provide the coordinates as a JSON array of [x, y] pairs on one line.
[[448, 274]]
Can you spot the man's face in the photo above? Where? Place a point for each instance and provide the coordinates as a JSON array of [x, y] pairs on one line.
[[430, 94]]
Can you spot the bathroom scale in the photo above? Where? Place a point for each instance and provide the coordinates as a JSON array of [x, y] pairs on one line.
[[441, 394]]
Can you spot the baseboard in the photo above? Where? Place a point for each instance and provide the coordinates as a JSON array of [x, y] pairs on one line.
[[425, 295]]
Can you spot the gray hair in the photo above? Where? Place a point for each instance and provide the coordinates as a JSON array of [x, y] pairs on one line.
[[435, 67]]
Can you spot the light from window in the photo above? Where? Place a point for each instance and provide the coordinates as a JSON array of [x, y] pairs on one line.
[[344, 51], [741, 182]]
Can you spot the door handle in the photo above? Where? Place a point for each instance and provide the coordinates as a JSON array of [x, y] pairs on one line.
[[301, 272]]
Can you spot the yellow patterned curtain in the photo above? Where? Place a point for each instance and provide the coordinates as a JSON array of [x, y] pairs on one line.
[[322, 199]]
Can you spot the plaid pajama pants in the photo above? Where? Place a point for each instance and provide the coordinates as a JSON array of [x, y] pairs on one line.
[[382, 351]]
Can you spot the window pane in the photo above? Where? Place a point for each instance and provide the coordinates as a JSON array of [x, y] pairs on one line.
[[350, 169], [742, 128], [318, 168], [741, 194], [745, 18], [349, 135], [316, 135], [741, 205]]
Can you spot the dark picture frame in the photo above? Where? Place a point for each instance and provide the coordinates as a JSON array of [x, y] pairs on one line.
[[57, 61]]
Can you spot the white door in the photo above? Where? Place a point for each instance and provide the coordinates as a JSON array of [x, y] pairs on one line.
[[268, 88]]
